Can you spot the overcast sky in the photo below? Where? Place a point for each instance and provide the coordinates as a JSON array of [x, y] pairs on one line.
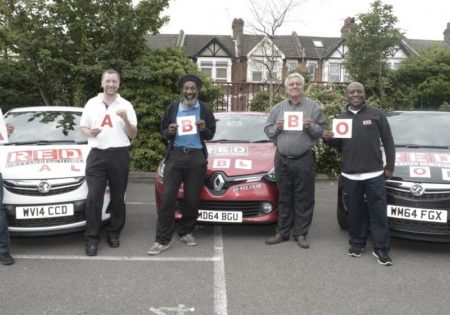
[[417, 18]]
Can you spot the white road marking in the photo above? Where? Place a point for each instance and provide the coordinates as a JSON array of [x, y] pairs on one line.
[[139, 203], [220, 286], [115, 258]]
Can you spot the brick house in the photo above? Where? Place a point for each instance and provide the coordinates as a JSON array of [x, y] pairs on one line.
[[240, 57]]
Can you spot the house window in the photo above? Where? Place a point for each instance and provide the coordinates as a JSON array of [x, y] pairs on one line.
[[207, 67], [311, 68], [292, 65], [221, 71], [257, 71], [318, 43], [334, 73], [218, 70]]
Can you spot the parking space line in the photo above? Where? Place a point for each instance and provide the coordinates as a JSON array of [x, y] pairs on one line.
[[220, 286], [117, 258]]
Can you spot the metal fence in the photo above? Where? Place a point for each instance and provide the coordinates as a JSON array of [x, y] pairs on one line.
[[238, 95]]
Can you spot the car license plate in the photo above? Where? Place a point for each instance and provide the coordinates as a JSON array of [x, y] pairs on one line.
[[44, 211], [219, 216], [417, 214]]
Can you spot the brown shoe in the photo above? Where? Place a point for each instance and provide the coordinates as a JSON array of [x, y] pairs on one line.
[[302, 241], [277, 238]]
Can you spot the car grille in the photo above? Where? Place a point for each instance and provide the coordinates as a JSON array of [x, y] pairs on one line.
[[420, 227], [44, 222], [248, 208], [55, 186], [218, 182], [431, 192]]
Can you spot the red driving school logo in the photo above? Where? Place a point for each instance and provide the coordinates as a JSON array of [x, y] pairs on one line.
[[29, 157]]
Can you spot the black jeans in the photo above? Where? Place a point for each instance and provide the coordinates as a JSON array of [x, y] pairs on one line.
[[296, 186], [102, 168], [4, 233], [367, 206], [188, 168]]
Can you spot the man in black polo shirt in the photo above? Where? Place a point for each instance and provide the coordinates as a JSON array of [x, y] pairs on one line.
[[294, 161]]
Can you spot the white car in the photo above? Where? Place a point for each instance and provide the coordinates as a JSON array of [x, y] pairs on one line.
[[43, 169]]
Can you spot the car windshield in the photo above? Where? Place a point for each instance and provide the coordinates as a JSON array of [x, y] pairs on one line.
[[45, 127], [423, 129], [240, 128]]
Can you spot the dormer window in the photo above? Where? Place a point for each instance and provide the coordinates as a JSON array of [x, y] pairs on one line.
[[318, 43]]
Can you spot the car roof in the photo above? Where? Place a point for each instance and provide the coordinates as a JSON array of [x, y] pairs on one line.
[[47, 109]]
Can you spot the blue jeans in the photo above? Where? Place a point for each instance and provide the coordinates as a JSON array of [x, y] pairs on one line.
[[4, 234], [367, 208]]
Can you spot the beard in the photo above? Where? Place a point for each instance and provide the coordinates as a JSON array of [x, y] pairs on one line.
[[189, 100]]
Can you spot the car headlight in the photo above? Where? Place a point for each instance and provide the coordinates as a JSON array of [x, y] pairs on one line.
[[266, 207], [270, 176]]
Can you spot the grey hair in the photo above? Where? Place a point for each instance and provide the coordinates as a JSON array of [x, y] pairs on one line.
[[294, 75], [352, 84]]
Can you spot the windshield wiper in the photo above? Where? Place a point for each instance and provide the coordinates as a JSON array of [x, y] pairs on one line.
[[417, 146], [228, 140], [261, 141], [45, 142]]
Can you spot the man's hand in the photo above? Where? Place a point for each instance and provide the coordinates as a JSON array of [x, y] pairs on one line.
[[306, 122], [388, 174], [327, 135], [122, 113], [201, 124], [95, 132], [172, 129], [280, 124]]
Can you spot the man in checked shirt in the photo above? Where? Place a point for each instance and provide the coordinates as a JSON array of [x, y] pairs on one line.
[[294, 161]]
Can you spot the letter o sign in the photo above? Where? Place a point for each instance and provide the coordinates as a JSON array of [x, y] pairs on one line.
[[342, 128]]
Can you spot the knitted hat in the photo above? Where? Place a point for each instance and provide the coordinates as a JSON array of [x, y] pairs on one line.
[[190, 78]]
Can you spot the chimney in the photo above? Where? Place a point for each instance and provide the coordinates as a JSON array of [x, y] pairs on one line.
[[238, 34], [447, 33], [348, 23], [180, 39]]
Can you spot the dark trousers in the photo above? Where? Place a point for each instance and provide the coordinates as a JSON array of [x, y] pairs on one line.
[[106, 167], [296, 187], [367, 211], [4, 233], [188, 168]]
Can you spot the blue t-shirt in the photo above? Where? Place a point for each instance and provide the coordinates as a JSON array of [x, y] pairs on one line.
[[193, 140]]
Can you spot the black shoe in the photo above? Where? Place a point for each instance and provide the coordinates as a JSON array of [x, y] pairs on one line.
[[6, 259], [383, 257], [91, 249], [355, 251], [113, 242]]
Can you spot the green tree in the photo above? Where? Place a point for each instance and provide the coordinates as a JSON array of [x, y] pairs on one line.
[[423, 81], [150, 86], [65, 44], [371, 40]]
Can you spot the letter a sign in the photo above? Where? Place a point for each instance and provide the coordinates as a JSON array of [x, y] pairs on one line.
[[186, 125], [293, 121], [342, 128]]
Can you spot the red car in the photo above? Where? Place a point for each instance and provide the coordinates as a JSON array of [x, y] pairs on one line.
[[240, 184]]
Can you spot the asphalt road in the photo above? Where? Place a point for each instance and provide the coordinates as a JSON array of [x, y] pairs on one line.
[[231, 271]]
